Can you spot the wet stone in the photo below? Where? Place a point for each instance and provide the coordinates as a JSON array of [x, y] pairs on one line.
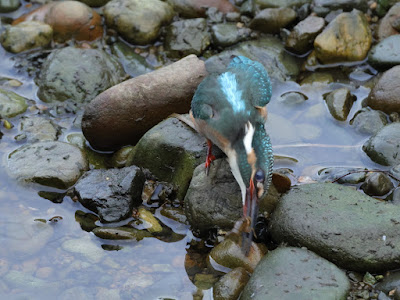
[[347, 38], [323, 7], [384, 95], [389, 284], [395, 196], [301, 38], [53, 164], [385, 54], [198, 8], [39, 129], [369, 121], [25, 36], [385, 28], [120, 233], [64, 75], [271, 20], [293, 98], [111, 193], [339, 103], [187, 37], [224, 35], [384, 147], [9, 5], [281, 3], [377, 184], [296, 273], [230, 285], [317, 77], [11, 104], [345, 226], [342, 175], [145, 17], [120, 157]]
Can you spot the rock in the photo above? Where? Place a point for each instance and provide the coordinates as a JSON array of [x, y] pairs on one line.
[[229, 254], [301, 38], [138, 21], [171, 150], [230, 285], [9, 5], [293, 98], [133, 63], [339, 103], [85, 247], [323, 7], [197, 8], [269, 51], [294, 273], [385, 28], [64, 75], [176, 214], [389, 284], [384, 147], [26, 35], [384, 95], [281, 3], [224, 35], [120, 157], [121, 233], [347, 38], [340, 224], [187, 37], [122, 114], [11, 104], [377, 184], [39, 129], [95, 3], [369, 121], [111, 193], [53, 164], [271, 20], [342, 175], [69, 20], [395, 196], [150, 222], [318, 77], [384, 55]]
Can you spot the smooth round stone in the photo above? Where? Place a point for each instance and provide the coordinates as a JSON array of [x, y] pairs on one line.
[[225, 35], [26, 35], [377, 184], [11, 104], [198, 8], [369, 121], [339, 103], [271, 20], [385, 28], [53, 164], [231, 285], [385, 54], [9, 5]]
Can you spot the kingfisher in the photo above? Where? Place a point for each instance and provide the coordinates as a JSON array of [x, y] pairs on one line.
[[229, 110]]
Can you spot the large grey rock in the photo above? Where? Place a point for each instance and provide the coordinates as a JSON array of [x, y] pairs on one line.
[[384, 147], [227, 34], [384, 95], [39, 129], [78, 75], [369, 121], [138, 21], [111, 193], [11, 104], [346, 38], [385, 54], [50, 163], [267, 50], [171, 150], [348, 228], [26, 35], [271, 20], [186, 37], [323, 7], [294, 273], [122, 114]]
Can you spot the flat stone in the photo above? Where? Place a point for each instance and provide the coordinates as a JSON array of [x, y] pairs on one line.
[[122, 114], [384, 54], [339, 103], [227, 34], [271, 20], [26, 35], [39, 129], [294, 273], [77, 75], [346, 38], [138, 21], [111, 193], [11, 104], [384, 95], [384, 147], [345, 226], [53, 164]]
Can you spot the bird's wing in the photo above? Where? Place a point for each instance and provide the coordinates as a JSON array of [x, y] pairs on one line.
[[254, 75]]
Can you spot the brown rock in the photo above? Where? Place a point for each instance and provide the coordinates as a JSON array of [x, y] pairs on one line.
[[122, 114], [197, 8], [385, 95], [69, 19], [271, 20], [347, 38], [386, 28]]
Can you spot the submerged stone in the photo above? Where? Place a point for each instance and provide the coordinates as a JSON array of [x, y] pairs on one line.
[[294, 273], [345, 226], [339, 103], [11, 104]]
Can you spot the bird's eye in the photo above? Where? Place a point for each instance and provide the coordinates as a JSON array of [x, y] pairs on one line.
[[260, 175]]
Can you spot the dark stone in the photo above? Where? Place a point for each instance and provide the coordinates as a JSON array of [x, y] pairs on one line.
[[111, 193], [224, 35], [339, 103], [231, 285], [377, 184], [271, 20]]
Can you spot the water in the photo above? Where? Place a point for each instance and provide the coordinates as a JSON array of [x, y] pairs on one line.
[[60, 260]]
